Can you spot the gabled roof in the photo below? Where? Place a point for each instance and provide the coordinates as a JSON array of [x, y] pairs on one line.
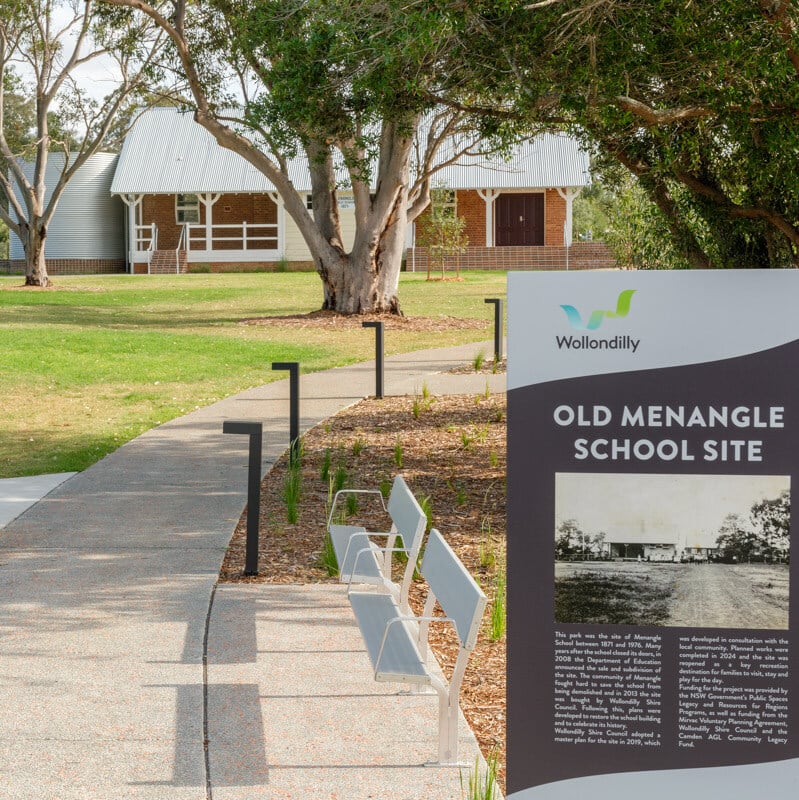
[[167, 152], [547, 161]]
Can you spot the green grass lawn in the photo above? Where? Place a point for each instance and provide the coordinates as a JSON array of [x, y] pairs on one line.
[[98, 360]]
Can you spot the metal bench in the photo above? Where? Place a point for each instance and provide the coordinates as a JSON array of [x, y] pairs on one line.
[[361, 559], [397, 640]]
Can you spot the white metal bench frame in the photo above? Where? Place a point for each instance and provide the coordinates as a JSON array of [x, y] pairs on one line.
[[408, 521], [463, 603]]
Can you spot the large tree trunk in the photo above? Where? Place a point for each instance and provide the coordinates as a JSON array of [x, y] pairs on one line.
[[35, 265], [367, 280]]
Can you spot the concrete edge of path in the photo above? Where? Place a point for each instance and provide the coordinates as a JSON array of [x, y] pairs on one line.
[[17, 495]]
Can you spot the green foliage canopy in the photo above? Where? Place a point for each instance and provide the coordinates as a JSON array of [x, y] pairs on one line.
[[698, 100]]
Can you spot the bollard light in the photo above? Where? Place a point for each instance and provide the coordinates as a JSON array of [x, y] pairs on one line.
[[379, 368], [255, 430]]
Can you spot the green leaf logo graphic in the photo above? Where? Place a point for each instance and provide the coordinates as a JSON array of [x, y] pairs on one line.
[[597, 317]]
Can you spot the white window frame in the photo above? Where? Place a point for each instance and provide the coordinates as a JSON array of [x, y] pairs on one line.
[[187, 208]]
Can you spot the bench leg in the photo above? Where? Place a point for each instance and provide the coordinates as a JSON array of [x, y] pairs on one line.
[[447, 727]]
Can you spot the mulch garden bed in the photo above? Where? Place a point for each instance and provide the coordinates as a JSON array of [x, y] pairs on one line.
[[334, 320]]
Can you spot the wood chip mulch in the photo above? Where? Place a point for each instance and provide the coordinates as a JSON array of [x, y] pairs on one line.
[[450, 450], [332, 319]]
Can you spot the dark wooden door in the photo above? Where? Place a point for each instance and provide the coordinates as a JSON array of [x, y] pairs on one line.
[[519, 220]]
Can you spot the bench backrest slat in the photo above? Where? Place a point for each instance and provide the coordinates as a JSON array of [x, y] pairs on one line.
[[407, 515], [457, 592]]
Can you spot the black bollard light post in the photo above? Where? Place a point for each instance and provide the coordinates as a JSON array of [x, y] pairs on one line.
[[255, 430], [293, 368], [497, 302], [379, 368]]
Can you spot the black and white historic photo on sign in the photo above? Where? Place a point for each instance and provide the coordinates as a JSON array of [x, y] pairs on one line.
[[703, 551]]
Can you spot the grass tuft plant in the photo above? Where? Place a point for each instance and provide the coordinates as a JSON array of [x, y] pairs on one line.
[[292, 489], [340, 478], [478, 361], [324, 472], [481, 785], [357, 446], [351, 504], [426, 504], [498, 620], [486, 554], [398, 454], [327, 556]]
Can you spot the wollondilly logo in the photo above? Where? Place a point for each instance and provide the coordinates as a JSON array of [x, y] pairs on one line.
[[595, 320], [597, 317]]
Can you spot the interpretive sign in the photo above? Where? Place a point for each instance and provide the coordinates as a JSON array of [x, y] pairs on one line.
[[653, 444]]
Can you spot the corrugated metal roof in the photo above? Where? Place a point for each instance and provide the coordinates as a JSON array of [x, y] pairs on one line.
[[167, 152], [548, 160]]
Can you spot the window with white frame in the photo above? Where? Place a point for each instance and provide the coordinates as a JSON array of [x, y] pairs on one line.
[[187, 208]]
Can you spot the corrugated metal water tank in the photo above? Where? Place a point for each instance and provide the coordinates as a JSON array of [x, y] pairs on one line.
[[88, 221]]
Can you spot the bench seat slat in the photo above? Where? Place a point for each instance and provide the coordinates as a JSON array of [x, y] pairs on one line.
[[350, 540], [400, 660]]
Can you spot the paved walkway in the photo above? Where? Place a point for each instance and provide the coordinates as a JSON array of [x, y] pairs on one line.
[[105, 591]]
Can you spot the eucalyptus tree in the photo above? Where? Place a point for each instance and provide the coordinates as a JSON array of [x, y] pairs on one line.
[[700, 101], [346, 83], [44, 45]]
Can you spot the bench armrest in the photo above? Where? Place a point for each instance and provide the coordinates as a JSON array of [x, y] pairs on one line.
[[374, 549], [353, 491], [406, 618]]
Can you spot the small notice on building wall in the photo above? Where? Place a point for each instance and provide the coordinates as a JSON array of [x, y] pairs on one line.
[[653, 446]]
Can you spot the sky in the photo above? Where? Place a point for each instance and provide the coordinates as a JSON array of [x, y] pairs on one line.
[[651, 508]]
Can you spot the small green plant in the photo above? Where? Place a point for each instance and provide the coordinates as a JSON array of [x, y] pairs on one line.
[[487, 392], [398, 454], [385, 487], [493, 458], [351, 504], [499, 416], [486, 553], [498, 620], [478, 361], [425, 391], [461, 496], [282, 264], [292, 488], [357, 446], [417, 408], [324, 472], [340, 478], [495, 366], [427, 506], [481, 785], [327, 556], [466, 440]]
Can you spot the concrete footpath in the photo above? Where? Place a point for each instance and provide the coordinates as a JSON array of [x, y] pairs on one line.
[[116, 666]]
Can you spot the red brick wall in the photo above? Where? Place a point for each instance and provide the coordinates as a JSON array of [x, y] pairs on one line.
[[160, 209], [472, 208], [582, 255], [230, 209], [554, 218], [233, 209]]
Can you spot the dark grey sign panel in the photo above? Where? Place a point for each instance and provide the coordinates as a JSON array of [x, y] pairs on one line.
[[652, 446]]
